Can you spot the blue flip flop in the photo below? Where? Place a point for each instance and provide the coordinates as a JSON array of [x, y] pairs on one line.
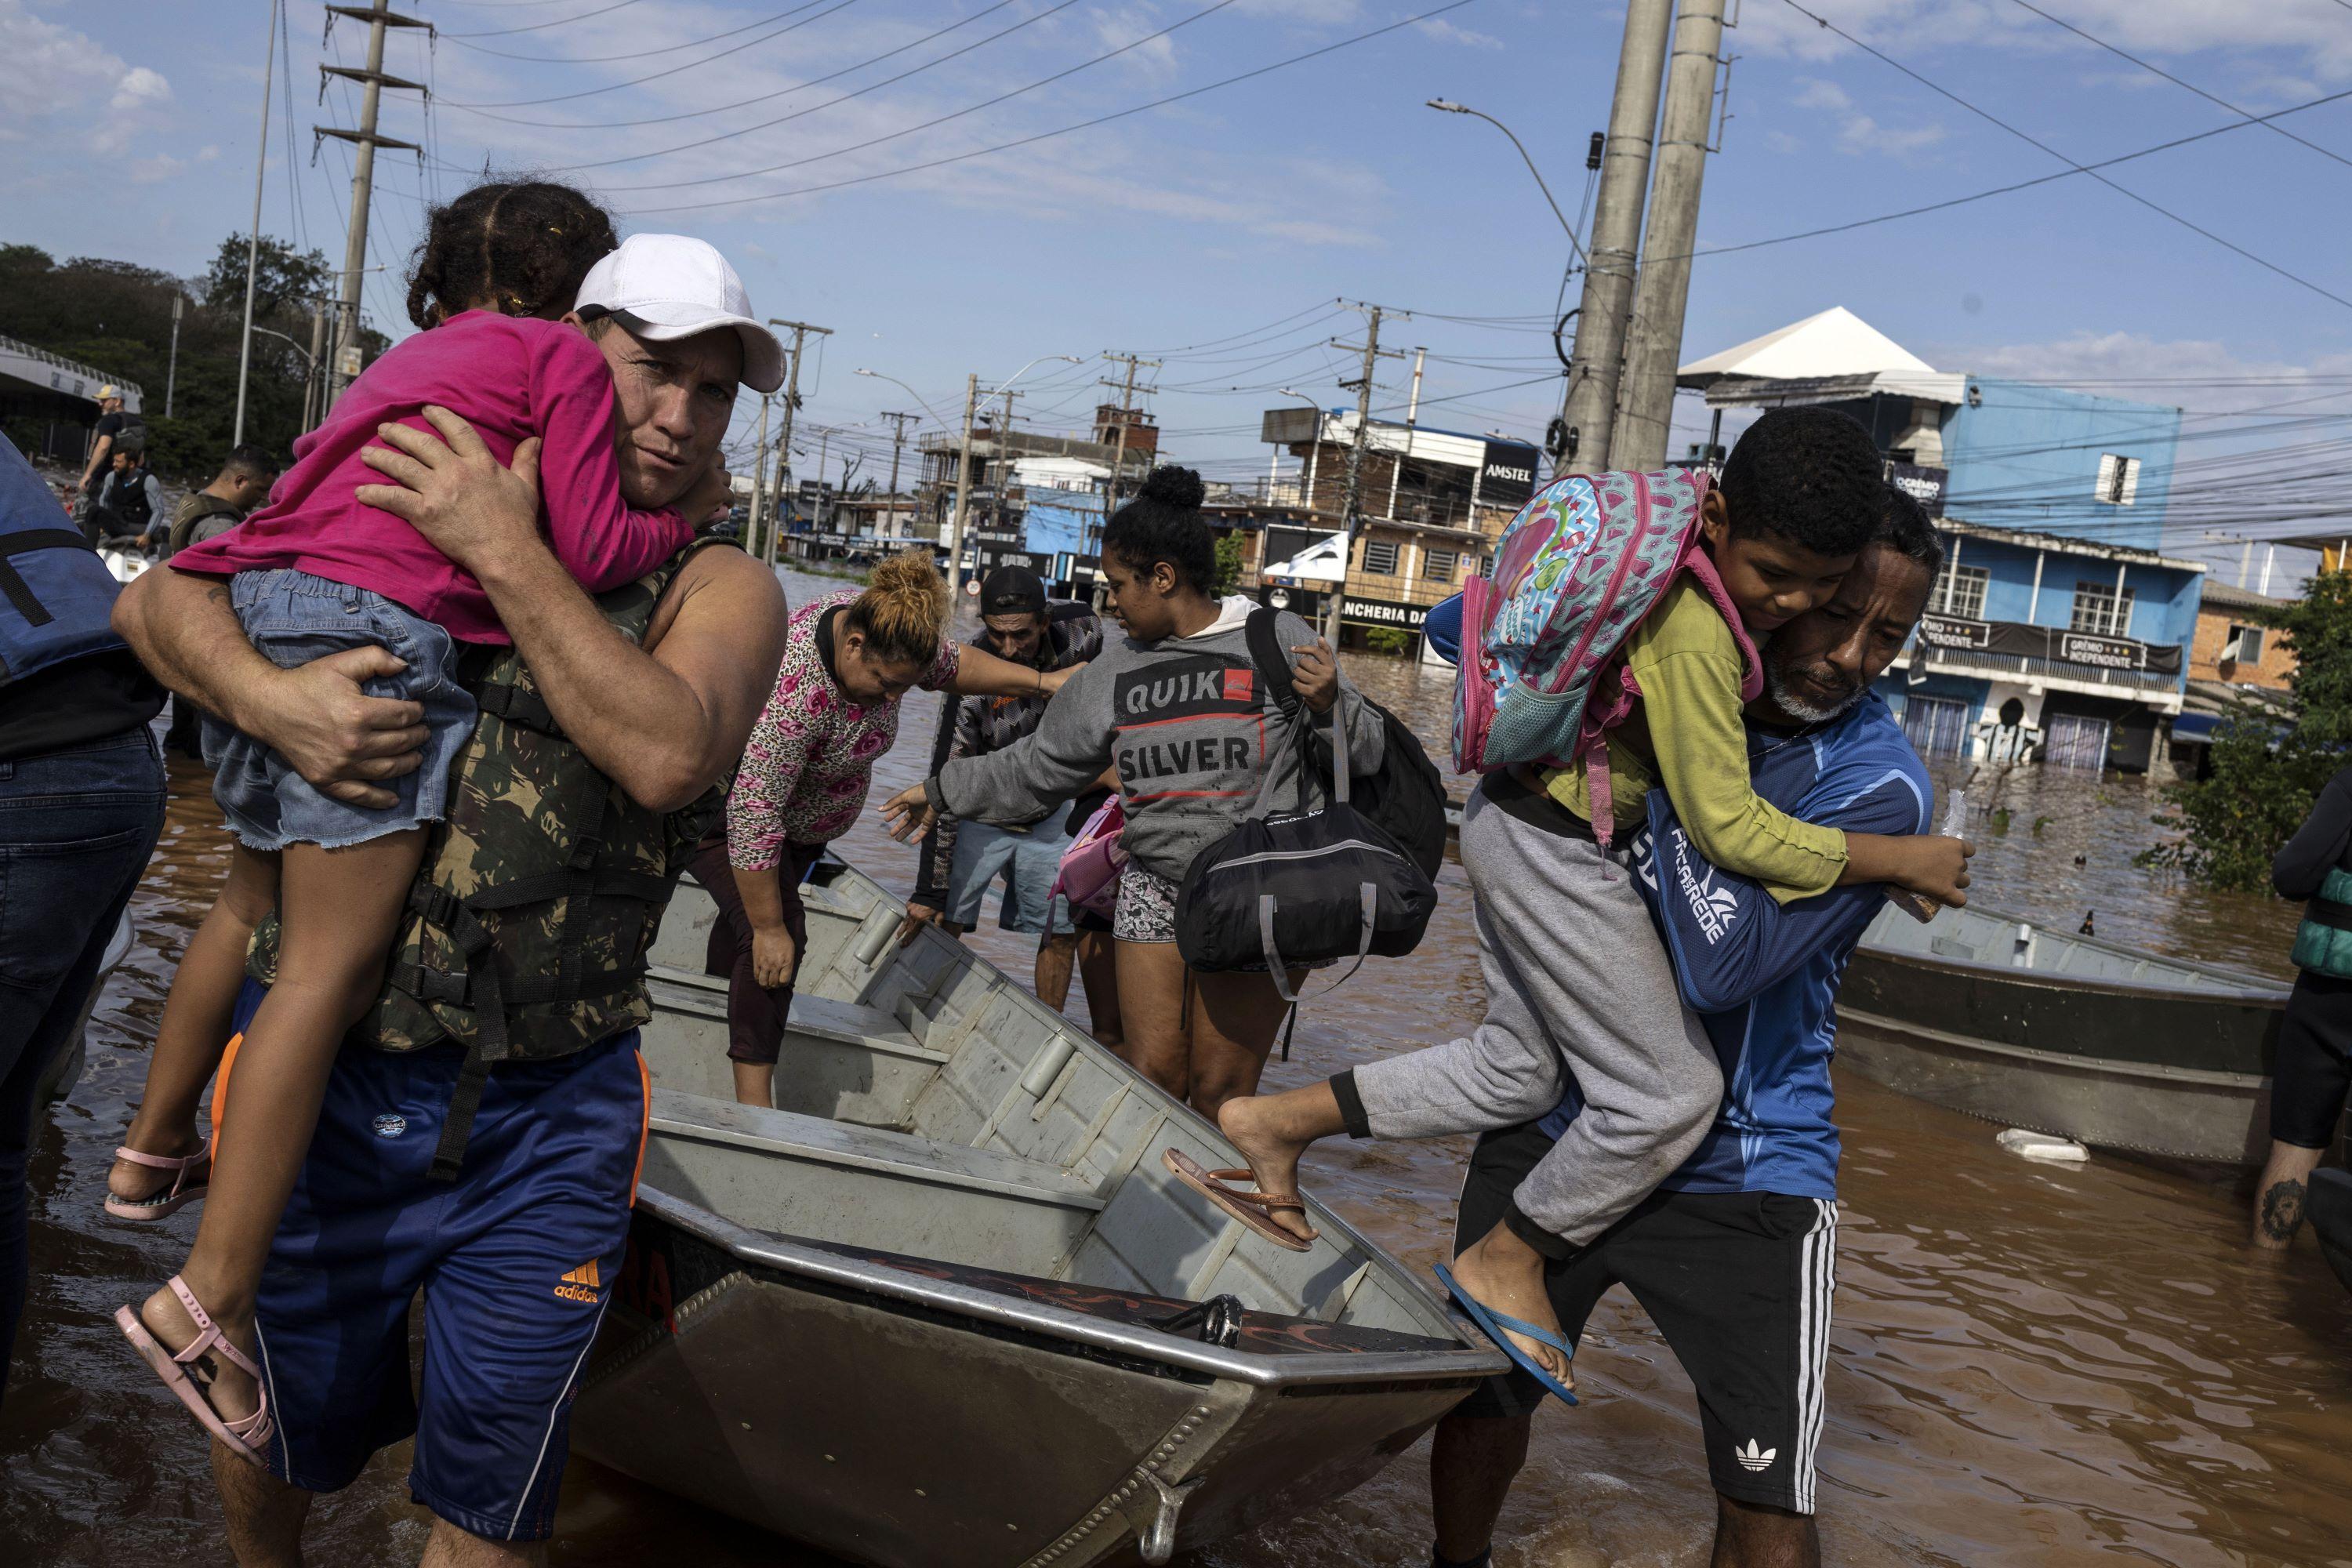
[[1495, 1324]]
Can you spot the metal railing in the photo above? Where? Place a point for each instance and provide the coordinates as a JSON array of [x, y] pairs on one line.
[[87, 372]]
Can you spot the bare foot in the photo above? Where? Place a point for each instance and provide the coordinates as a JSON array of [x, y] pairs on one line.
[[1253, 1124], [143, 1183], [233, 1393], [1504, 1275]]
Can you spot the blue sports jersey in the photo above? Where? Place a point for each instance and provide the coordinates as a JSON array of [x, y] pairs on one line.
[[1764, 975]]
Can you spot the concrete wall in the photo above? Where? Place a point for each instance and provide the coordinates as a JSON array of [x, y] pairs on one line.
[[2027, 457]]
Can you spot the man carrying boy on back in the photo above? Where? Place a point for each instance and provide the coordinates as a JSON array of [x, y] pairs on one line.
[[1578, 988], [1734, 1255]]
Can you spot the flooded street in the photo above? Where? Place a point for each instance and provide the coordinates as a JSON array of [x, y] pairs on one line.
[[2031, 1364]]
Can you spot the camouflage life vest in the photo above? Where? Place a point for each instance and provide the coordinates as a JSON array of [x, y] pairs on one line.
[[527, 928]]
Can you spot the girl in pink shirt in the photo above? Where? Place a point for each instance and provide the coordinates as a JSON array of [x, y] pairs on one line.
[[315, 572]]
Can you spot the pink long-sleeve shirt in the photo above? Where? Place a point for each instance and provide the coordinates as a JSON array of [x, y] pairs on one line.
[[511, 377]]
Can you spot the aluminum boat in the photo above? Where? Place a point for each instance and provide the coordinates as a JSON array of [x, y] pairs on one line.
[[942, 1305], [1990, 1014]]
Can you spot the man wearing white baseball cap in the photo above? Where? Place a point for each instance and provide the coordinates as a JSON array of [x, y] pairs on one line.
[[648, 705]]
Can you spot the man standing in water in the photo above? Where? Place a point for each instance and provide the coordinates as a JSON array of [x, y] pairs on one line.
[[521, 1247], [1735, 1256]]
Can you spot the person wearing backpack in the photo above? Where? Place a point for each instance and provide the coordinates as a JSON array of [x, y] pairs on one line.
[[1178, 705], [1580, 990]]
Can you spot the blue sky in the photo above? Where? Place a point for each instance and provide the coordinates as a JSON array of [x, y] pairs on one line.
[[1232, 218]]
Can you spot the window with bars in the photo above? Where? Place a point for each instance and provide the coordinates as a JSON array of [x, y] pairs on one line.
[[2118, 479], [1438, 566], [2100, 608], [1960, 592], [1380, 557]]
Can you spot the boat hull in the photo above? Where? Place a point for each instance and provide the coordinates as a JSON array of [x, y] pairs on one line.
[[915, 1431], [2139, 1070]]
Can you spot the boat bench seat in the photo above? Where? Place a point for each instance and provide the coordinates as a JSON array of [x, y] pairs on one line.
[[840, 1059], [792, 1174]]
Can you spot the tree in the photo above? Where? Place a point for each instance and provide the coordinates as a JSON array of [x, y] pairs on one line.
[[1229, 561], [2263, 775], [283, 282]]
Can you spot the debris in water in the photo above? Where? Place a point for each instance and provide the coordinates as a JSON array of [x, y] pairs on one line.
[[2041, 1146]]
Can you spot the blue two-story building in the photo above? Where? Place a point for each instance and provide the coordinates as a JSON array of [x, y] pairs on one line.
[[2057, 631]]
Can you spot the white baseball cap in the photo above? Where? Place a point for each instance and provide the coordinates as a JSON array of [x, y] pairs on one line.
[[669, 286]]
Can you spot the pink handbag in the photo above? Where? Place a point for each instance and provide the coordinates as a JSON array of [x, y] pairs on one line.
[[1091, 865]]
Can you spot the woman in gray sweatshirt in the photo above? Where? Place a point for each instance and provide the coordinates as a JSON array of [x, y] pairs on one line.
[[1177, 707]]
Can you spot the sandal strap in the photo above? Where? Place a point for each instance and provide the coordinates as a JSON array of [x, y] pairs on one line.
[[209, 1337], [165, 1162]]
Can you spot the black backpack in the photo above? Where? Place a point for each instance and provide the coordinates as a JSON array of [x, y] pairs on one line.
[[1311, 886], [1405, 794]]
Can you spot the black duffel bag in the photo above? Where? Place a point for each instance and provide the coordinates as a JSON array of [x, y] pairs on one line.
[[1302, 887]]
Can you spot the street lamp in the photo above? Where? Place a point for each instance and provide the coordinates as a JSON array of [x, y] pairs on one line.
[[1449, 107]]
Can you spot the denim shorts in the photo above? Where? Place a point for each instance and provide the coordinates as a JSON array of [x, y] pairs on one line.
[[293, 618], [1029, 861]]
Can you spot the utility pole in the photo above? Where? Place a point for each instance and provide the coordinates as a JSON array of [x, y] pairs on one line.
[[314, 375], [172, 375], [823, 446], [252, 240], [1362, 388], [347, 320], [1003, 456], [759, 473], [962, 495], [800, 330], [1126, 407], [1645, 404], [898, 445], [1607, 296], [1412, 417]]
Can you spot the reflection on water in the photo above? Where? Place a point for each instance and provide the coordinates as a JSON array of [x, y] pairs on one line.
[[2031, 1364]]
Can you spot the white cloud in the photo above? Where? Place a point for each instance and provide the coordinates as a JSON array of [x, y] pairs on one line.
[[1445, 32], [139, 89], [1820, 94], [1114, 29]]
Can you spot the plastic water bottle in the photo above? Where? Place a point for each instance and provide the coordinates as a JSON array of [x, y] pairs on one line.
[[1955, 817]]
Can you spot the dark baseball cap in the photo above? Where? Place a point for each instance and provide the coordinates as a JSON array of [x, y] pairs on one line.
[[1012, 591]]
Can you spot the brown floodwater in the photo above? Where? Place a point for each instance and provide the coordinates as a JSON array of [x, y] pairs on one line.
[[2030, 1364]]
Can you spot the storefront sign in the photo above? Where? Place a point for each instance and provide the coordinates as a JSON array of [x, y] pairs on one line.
[[2106, 653], [1383, 613], [1953, 631], [1508, 477]]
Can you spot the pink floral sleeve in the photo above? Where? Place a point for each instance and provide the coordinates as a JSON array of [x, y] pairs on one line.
[[943, 668], [772, 761]]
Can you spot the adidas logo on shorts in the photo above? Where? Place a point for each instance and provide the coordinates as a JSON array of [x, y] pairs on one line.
[[1753, 1458], [581, 1284]]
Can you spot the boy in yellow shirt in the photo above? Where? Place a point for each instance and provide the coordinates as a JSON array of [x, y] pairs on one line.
[[1580, 990]]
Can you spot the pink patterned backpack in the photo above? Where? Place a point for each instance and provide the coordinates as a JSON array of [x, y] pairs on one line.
[[1580, 568]]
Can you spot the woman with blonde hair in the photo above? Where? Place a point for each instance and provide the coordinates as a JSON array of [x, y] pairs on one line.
[[848, 659]]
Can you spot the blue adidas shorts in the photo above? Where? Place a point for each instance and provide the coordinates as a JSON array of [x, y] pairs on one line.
[[516, 1259]]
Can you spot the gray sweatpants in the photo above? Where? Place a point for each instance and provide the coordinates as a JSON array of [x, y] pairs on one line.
[[1579, 992]]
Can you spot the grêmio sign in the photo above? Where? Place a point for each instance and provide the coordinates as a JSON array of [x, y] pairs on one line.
[[1383, 613], [2102, 653], [1956, 631]]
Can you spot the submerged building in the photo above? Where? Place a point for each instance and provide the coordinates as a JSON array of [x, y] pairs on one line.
[[2058, 630]]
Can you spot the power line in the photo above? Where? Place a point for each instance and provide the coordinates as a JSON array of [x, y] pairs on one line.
[[2026, 184], [2186, 86], [625, 54], [2033, 141], [1209, 10], [1067, 129], [746, 102], [539, 26], [844, 98]]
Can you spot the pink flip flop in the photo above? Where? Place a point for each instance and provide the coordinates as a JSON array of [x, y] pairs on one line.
[[245, 1437], [1256, 1210], [179, 1195]]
